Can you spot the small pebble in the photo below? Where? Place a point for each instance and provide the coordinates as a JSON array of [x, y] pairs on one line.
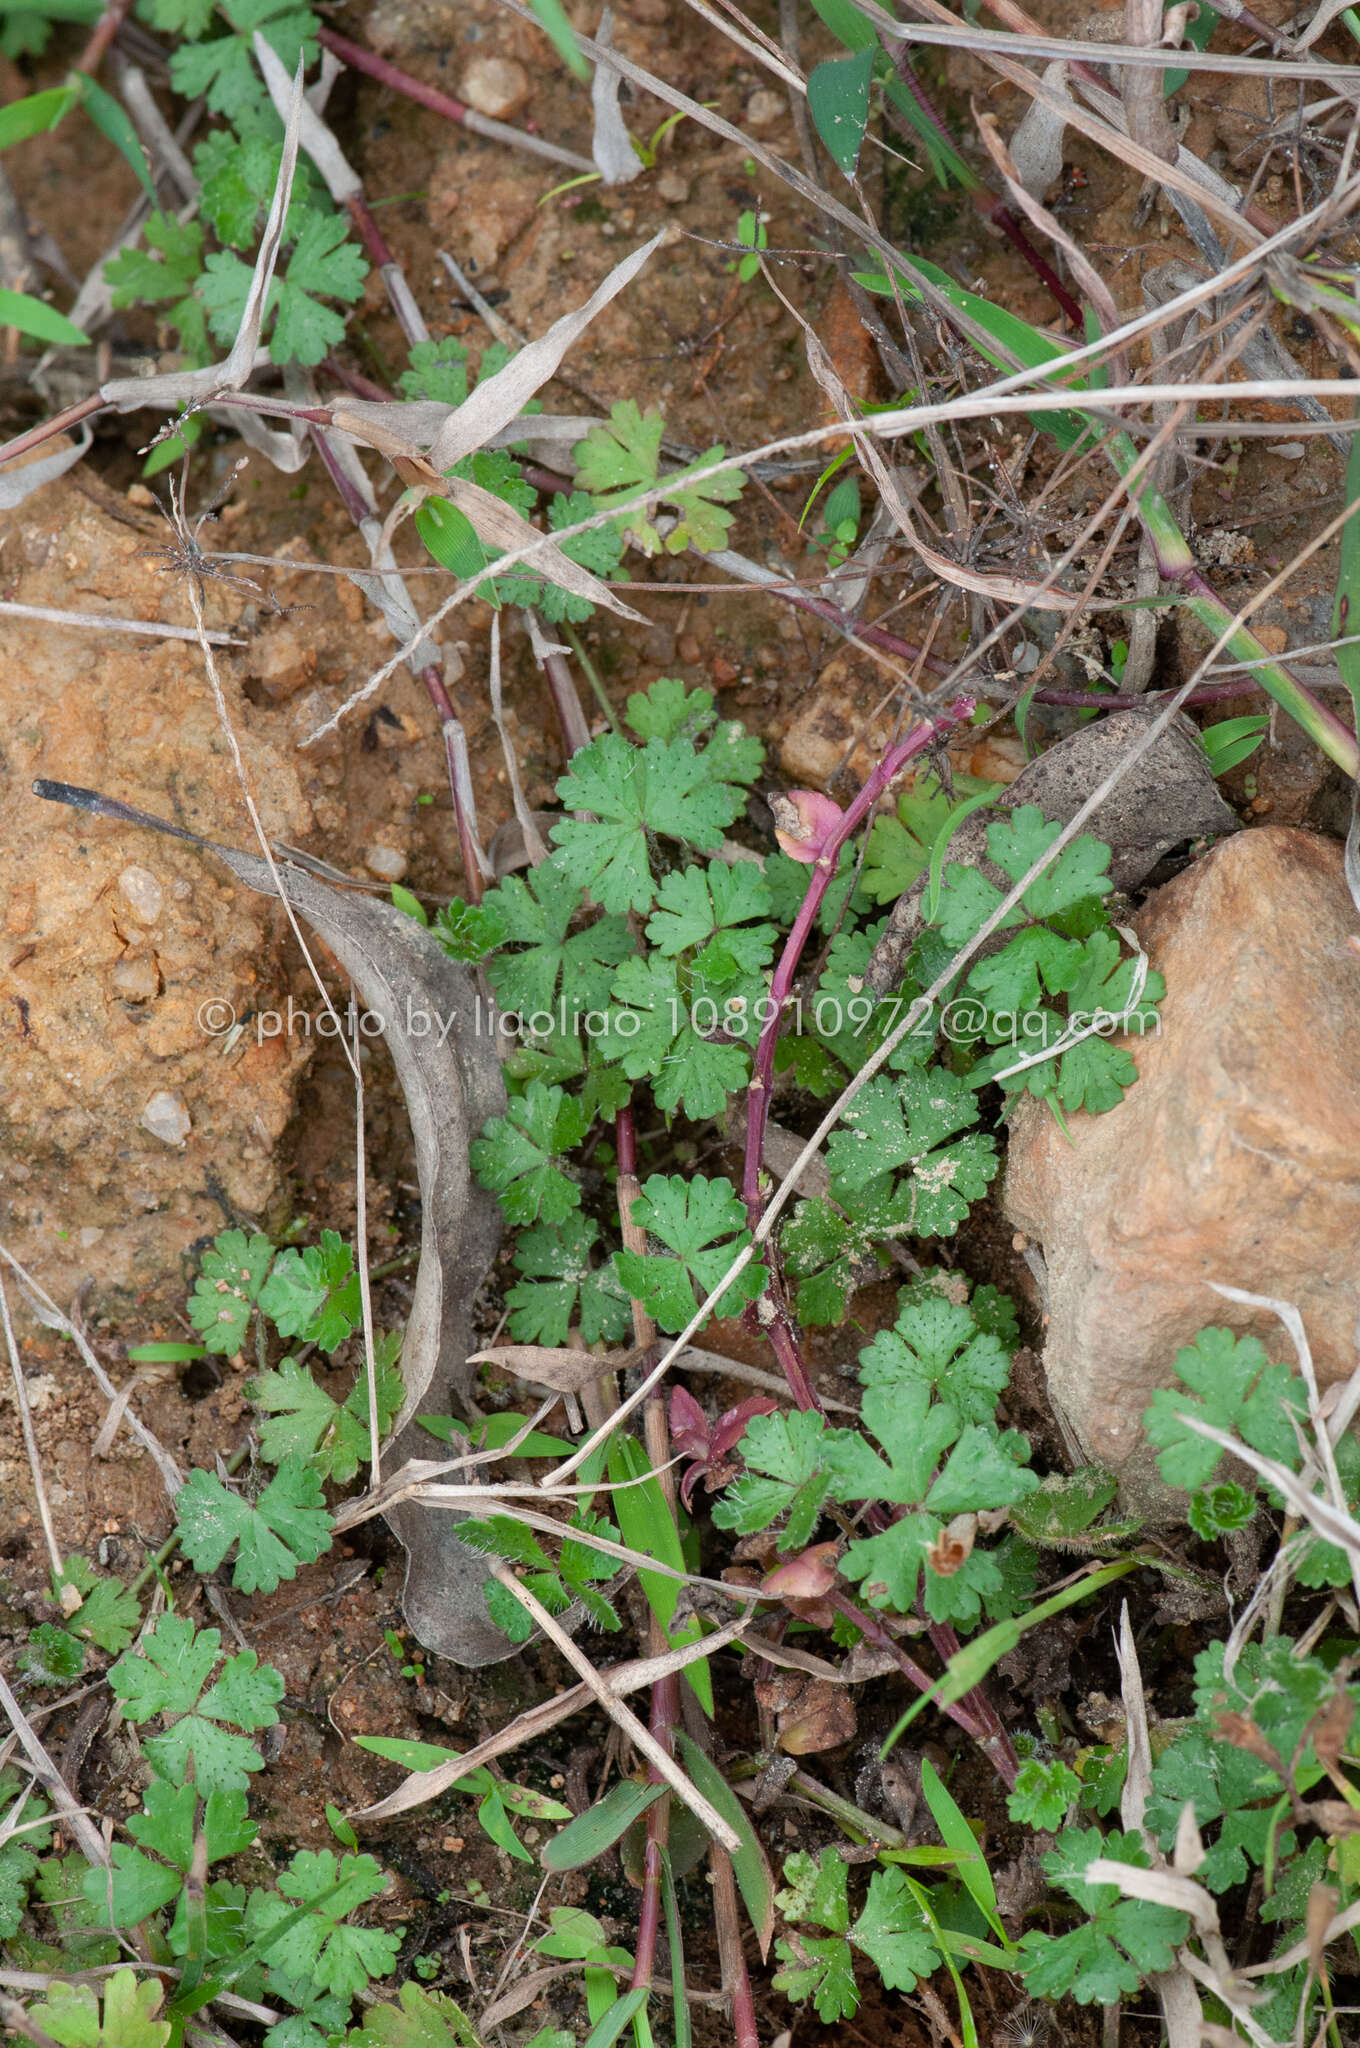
[[764, 108], [142, 894], [166, 1118], [1273, 638], [136, 978], [688, 648], [1288, 451], [138, 494], [673, 188], [385, 862], [496, 86], [722, 670]]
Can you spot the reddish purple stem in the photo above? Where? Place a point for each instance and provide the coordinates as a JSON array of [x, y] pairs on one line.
[[438, 102], [823, 870]]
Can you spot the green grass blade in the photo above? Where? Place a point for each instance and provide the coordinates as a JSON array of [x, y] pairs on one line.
[[113, 123], [749, 1866], [974, 1875], [552, 19], [43, 322], [600, 1826], [971, 1664], [608, 2029], [684, 2032], [35, 115]]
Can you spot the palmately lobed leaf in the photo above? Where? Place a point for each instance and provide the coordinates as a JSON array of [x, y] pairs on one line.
[[665, 787]]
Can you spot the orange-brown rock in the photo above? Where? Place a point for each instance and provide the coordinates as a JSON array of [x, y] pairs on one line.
[[128, 1117], [1235, 1157]]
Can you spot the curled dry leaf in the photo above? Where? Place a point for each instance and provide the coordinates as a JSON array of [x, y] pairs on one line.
[[809, 1576], [451, 1083], [181, 388], [21, 479], [1037, 144], [953, 1547], [566, 1372], [616, 160], [810, 1714]]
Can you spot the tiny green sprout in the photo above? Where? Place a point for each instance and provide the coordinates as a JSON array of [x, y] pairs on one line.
[[750, 235], [426, 1968], [412, 1668]]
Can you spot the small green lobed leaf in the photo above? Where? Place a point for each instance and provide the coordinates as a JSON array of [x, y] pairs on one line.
[[689, 1217], [287, 1525], [786, 1475], [314, 1293], [516, 1153], [1043, 1794], [666, 788], [1229, 1382], [227, 1288]]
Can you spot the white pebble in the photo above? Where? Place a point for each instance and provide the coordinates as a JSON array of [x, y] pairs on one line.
[[385, 862], [166, 1118], [142, 894]]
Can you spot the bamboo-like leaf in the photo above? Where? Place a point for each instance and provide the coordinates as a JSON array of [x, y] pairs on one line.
[[838, 100], [36, 114], [969, 1861], [600, 1826], [1346, 610], [43, 322], [755, 1880]]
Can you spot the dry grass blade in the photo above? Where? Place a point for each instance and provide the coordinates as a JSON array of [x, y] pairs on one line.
[[499, 399], [1138, 1775], [74, 1816], [534, 1722], [106, 622], [1144, 101], [29, 1436], [1029, 203], [1324, 1445], [184, 388], [342, 181], [991, 43], [622, 1716], [18, 484]]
